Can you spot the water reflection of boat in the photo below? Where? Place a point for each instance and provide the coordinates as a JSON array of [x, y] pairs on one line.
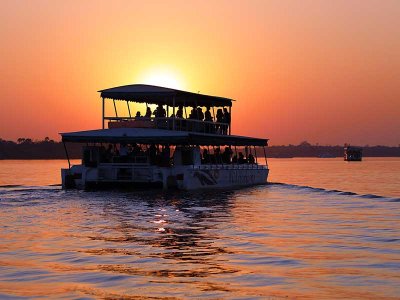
[[352, 153], [326, 155], [166, 150]]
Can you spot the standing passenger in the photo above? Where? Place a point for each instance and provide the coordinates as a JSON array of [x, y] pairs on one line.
[[227, 120], [220, 119]]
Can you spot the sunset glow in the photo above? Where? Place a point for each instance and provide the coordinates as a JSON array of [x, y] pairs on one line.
[[163, 78], [326, 72]]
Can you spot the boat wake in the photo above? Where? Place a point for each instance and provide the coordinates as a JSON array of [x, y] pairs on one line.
[[10, 186], [56, 188], [337, 192], [25, 189]]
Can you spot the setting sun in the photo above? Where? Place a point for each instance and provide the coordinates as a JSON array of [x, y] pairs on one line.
[[161, 77]]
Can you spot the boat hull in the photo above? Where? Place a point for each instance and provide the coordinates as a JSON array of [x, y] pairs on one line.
[[205, 178], [180, 177]]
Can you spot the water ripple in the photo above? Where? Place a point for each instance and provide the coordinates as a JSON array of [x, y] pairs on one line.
[[274, 241]]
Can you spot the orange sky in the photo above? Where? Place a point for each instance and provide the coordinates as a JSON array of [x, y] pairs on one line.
[[323, 71]]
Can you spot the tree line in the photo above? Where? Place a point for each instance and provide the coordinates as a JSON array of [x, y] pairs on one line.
[[26, 148]]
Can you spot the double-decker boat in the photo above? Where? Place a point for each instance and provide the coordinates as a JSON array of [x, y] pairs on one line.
[[170, 151]]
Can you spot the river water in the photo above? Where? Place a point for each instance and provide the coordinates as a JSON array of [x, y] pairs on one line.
[[324, 229]]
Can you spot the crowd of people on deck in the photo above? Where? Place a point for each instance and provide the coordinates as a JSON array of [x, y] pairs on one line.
[[227, 157], [134, 153], [222, 118], [161, 155]]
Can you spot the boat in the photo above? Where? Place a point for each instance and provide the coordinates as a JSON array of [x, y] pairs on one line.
[[352, 153], [180, 151]]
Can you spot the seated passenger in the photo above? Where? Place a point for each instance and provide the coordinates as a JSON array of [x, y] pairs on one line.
[[206, 156], [138, 115], [179, 113], [148, 113], [251, 159], [217, 154], [152, 151], [200, 115], [193, 113], [165, 156], [102, 152], [241, 159], [159, 112], [235, 159], [207, 115], [109, 153], [220, 116], [123, 152], [136, 149], [226, 156]]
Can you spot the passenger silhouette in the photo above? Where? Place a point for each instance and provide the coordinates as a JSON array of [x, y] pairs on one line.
[[207, 115], [227, 120], [179, 113], [193, 113], [220, 119], [227, 155], [200, 115], [251, 159], [220, 116], [241, 159], [148, 113], [234, 159], [159, 112]]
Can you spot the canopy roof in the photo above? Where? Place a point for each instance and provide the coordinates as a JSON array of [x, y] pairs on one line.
[[152, 94], [158, 136]]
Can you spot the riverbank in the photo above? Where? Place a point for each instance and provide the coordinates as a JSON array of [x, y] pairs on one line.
[[49, 149]]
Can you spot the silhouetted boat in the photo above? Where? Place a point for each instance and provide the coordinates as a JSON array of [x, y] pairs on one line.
[[352, 153], [138, 151]]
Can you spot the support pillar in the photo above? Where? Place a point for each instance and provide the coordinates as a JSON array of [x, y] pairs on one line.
[[173, 113], [102, 119], [115, 108], [129, 110], [66, 153], [230, 119]]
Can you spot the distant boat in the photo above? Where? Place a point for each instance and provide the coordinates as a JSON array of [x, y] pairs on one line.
[[352, 153]]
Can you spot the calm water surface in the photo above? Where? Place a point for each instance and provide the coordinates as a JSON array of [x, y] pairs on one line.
[[331, 231]]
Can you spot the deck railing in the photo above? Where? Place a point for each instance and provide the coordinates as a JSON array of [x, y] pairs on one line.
[[179, 124], [232, 166]]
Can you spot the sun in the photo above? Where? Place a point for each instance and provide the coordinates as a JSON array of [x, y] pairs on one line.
[[164, 78]]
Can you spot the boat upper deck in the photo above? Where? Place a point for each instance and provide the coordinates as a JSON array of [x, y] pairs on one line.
[[209, 114]]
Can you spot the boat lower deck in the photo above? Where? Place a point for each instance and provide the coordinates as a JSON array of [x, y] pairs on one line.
[[186, 177]]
